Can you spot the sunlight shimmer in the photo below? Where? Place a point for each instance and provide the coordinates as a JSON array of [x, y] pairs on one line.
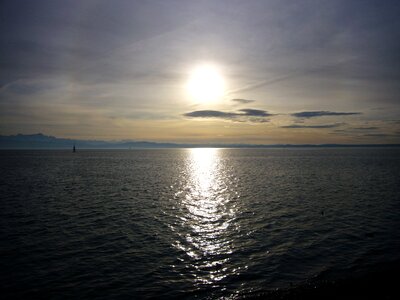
[[208, 222]]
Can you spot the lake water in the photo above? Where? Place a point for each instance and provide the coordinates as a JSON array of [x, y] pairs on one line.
[[193, 222]]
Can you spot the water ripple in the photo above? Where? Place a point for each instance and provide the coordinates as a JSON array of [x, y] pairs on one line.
[[203, 223]]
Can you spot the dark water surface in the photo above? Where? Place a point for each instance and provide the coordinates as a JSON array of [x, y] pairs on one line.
[[193, 222]]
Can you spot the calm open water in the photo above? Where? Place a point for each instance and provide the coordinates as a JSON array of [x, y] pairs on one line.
[[193, 222]]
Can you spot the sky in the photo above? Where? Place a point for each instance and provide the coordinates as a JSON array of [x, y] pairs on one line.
[[291, 72]]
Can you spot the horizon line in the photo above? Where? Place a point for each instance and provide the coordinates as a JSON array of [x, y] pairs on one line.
[[42, 141]]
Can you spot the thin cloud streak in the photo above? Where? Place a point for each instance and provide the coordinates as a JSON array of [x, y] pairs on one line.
[[313, 114], [380, 135], [295, 74], [243, 101], [366, 128], [295, 126]]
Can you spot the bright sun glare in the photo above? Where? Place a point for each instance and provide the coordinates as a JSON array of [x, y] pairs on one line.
[[206, 84]]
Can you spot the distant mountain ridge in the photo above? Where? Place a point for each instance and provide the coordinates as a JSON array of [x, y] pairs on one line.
[[41, 141]]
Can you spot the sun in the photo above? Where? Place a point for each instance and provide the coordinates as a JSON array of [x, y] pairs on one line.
[[206, 84]]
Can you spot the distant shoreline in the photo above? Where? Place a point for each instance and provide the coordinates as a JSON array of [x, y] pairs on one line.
[[208, 146], [44, 142]]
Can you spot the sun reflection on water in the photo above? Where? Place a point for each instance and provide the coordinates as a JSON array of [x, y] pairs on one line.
[[207, 219]]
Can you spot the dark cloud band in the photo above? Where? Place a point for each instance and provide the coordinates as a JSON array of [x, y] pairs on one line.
[[313, 114], [246, 114]]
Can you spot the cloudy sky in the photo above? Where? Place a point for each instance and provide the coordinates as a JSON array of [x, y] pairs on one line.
[[291, 71]]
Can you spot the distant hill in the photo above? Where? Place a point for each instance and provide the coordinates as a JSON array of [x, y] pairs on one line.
[[41, 141]]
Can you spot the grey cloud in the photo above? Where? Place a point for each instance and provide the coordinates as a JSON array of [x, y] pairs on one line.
[[313, 126], [255, 112], [210, 114], [246, 114], [243, 101], [380, 135], [258, 120], [313, 114], [365, 128]]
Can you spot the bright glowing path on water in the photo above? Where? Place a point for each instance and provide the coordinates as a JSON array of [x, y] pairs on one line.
[[207, 225]]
